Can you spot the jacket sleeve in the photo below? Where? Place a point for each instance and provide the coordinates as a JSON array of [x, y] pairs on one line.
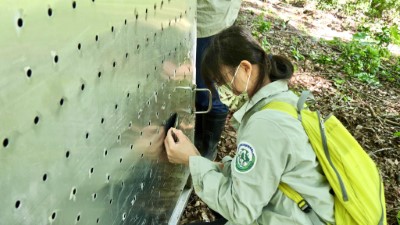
[[241, 195]]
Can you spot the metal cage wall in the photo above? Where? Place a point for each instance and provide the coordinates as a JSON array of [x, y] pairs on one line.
[[86, 91]]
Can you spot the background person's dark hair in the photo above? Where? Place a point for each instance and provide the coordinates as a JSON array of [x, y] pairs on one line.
[[235, 44]]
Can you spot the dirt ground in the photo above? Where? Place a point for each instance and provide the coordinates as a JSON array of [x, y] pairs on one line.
[[370, 113]]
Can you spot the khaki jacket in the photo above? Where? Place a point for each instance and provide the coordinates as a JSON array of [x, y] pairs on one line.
[[215, 15], [272, 147]]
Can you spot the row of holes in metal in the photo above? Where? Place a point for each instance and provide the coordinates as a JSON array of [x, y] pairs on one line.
[[62, 100], [36, 120], [20, 21], [29, 71]]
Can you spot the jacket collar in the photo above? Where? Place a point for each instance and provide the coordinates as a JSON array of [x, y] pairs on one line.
[[265, 92]]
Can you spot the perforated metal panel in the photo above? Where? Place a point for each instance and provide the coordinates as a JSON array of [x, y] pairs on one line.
[[86, 88]]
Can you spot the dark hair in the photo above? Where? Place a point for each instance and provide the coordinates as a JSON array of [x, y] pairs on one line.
[[235, 44]]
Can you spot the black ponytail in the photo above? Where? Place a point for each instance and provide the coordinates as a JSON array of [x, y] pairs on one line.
[[281, 68]]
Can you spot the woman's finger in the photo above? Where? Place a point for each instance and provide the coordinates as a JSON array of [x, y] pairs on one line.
[[169, 138], [166, 144], [179, 134]]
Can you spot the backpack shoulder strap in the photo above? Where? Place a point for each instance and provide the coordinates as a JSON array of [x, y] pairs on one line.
[[301, 203], [283, 107], [288, 108], [303, 98], [286, 189], [283, 187], [296, 197]]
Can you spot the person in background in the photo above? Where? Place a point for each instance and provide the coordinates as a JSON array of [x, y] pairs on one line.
[[212, 17], [272, 146]]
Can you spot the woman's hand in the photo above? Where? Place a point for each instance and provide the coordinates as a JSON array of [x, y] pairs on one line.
[[179, 152]]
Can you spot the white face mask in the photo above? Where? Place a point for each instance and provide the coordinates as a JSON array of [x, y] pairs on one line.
[[227, 96]]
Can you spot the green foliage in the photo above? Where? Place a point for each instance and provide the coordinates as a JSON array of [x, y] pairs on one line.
[[265, 44], [327, 4], [362, 28], [365, 57], [360, 59], [295, 41], [296, 54], [384, 37], [338, 81], [377, 7], [397, 134], [395, 34], [322, 58], [367, 78], [282, 24], [262, 26], [373, 8], [347, 98], [297, 3], [294, 48], [397, 67]]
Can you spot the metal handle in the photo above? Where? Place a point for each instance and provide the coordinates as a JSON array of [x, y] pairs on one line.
[[194, 89], [209, 100]]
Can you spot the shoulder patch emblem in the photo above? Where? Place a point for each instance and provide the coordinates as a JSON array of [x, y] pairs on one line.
[[245, 158]]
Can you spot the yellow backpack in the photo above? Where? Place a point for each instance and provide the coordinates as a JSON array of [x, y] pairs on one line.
[[353, 176]]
